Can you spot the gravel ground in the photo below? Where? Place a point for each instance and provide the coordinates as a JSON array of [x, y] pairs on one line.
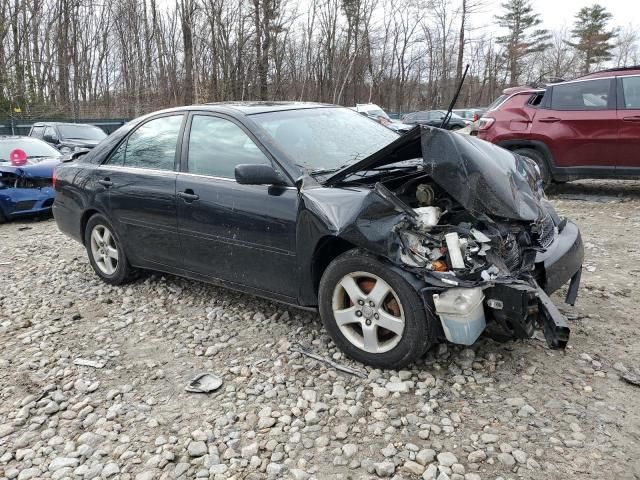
[[514, 410]]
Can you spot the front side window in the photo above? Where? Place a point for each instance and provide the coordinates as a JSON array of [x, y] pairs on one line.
[[585, 95], [151, 146], [631, 89], [217, 145]]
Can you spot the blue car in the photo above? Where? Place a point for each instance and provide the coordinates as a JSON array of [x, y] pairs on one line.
[[26, 176]]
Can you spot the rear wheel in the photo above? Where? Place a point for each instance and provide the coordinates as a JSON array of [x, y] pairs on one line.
[[372, 313], [540, 161], [106, 254]]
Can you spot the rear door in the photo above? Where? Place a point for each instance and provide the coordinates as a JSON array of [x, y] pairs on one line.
[[140, 176], [580, 125], [243, 234], [629, 122]]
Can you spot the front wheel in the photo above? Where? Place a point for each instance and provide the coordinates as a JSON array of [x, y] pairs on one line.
[[372, 313], [106, 254]]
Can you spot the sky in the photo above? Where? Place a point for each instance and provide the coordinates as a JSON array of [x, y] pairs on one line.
[[559, 13]]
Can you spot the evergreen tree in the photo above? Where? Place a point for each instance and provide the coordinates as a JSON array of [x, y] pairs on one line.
[[523, 38], [593, 40]]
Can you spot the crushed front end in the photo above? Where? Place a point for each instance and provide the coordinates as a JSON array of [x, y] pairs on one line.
[[23, 192], [473, 224]]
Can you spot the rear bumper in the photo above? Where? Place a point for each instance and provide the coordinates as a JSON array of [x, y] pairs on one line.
[[562, 261]]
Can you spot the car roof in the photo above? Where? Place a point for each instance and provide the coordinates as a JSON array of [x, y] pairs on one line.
[[14, 137], [44, 124], [252, 107], [612, 72]]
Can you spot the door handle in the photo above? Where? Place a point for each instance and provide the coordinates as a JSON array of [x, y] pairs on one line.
[[106, 182], [550, 120], [188, 195], [633, 118]]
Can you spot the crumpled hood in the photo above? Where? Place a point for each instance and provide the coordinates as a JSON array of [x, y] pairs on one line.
[[483, 178]]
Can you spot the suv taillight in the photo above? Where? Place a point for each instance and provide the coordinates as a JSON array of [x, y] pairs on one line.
[[476, 117], [485, 123], [53, 178]]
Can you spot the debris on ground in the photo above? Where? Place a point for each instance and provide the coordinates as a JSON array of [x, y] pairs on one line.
[[204, 383]]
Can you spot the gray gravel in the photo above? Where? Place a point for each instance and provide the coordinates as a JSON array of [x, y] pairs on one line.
[[492, 411]]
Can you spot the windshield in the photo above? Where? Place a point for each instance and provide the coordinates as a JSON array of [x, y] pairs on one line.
[[81, 132], [32, 147], [325, 139], [377, 113]]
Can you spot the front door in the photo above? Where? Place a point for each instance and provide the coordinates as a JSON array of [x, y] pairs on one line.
[[140, 176], [629, 124], [242, 234], [582, 122]]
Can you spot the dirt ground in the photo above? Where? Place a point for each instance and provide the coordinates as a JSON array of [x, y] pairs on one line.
[[513, 410]]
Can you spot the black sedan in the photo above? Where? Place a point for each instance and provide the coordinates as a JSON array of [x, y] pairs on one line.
[[433, 118], [398, 241]]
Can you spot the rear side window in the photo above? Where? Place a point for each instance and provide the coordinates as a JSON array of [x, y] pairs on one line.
[[586, 95], [37, 132], [217, 145], [151, 146], [631, 89]]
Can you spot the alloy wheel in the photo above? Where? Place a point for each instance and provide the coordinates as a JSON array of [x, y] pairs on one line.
[[368, 312], [104, 249]]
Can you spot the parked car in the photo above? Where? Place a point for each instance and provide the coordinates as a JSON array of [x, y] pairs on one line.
[[585, 128], [433, 118], [26, 173], [376, 113], [471, 114], [68, 137], [398, 241]]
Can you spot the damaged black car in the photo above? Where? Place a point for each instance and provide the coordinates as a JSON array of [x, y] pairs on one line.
[[399, 242]]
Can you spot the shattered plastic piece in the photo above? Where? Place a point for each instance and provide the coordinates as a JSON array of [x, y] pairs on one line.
[[204, 383], [479, 236], [453, 244], [428, 216], [490, 273], [88, 363]]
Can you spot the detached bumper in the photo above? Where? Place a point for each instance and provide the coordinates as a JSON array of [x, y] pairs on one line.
[[562, 261]]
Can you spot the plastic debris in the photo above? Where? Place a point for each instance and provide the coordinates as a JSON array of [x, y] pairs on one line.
[[204, 383], [88, 363]]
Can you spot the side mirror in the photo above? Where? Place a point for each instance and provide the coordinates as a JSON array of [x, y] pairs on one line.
[[255, 174]]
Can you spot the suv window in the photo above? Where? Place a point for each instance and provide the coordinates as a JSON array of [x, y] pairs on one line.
[[217, 145], [584, 95], [631, 89], [152, 145]]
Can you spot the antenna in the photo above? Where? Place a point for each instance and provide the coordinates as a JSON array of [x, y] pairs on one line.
[[447, 117]]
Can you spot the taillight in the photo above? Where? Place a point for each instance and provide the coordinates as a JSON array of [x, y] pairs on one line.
[[485, 123], [475, 117], [53, 178]]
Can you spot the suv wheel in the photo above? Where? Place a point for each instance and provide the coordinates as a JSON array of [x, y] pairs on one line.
[[372, 313], [540, 161], [106, 253]]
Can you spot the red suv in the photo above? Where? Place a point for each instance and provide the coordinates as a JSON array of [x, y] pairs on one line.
[[583, 128]]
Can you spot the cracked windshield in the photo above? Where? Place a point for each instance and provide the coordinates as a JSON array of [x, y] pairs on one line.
[[324, 140]]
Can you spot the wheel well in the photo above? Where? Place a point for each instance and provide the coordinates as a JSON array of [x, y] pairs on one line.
[[326, 250], [539, 147], [84, 220]]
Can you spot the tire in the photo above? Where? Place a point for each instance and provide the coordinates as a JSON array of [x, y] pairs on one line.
[[400, 308], [3, 219], [540, 161], [106, 253]]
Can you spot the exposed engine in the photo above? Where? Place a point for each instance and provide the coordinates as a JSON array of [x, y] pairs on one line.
[[440, 236]]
